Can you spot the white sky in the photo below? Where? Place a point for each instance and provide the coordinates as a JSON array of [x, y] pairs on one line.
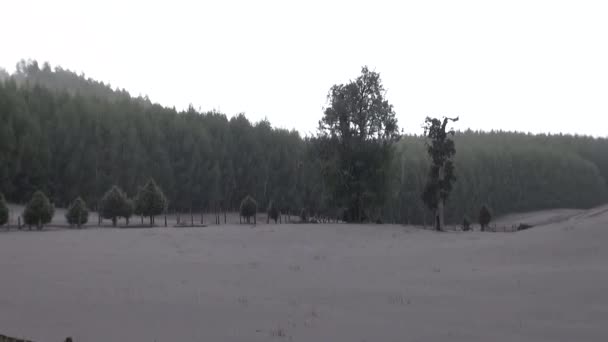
[[538, 66]]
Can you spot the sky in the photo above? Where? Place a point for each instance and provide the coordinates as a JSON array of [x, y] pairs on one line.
[[531, 66]]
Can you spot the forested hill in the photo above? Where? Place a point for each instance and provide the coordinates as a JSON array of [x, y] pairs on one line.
[[70, 136], [62, 80]]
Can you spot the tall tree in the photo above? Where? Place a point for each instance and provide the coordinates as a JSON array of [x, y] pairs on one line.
[[441, 150], [358, 127]]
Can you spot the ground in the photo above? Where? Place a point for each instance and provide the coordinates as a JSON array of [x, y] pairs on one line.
[[332, 282]]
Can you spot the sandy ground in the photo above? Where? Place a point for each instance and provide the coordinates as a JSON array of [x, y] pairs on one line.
[[309, 283]]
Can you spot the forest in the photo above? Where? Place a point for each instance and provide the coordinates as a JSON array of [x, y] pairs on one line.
[[70, 136]]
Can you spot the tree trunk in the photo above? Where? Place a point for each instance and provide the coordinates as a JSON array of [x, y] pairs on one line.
[[113, 221], [150, 219], [439, 223]]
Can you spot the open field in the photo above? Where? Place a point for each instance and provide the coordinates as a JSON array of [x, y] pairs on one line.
[[310, 283]]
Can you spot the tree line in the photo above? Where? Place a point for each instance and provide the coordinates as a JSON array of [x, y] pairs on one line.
[[71, 137]]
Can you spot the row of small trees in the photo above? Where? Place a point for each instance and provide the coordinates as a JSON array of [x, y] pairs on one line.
[[149, 201]]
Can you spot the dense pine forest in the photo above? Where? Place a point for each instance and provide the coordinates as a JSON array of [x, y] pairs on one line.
[[69, 136]]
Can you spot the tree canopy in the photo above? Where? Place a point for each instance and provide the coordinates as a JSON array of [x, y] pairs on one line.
[[357, 132]]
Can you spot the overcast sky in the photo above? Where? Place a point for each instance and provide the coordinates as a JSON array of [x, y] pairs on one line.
[[538, 66]]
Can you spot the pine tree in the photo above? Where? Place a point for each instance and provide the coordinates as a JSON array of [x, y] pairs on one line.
[[77, 213], [3, 210], [150, 200], [115, 204], [39, 211]]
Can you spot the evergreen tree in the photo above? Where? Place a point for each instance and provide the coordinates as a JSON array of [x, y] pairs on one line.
[[150, 200], [39, 211], [115, 204], [441, 174], [484, 217], [248, 209], [77, 213], [3, 211]]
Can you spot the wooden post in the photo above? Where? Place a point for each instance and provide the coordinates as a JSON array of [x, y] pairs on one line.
[[165, 219], [202, 218], [224, 216], [19, 222], [191, 218]]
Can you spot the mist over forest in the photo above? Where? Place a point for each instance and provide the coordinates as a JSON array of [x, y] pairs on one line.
[[70, 136]]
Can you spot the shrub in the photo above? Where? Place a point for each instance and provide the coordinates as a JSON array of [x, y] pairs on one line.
[[150, 200], [304, 215], [273, 212], [115, 204], [3, 211], [484, 217], [39, 211], [466, 224], [248, 208], [524, 226], [77, 213]]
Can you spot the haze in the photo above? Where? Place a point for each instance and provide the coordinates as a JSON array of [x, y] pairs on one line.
[[534, 66]]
